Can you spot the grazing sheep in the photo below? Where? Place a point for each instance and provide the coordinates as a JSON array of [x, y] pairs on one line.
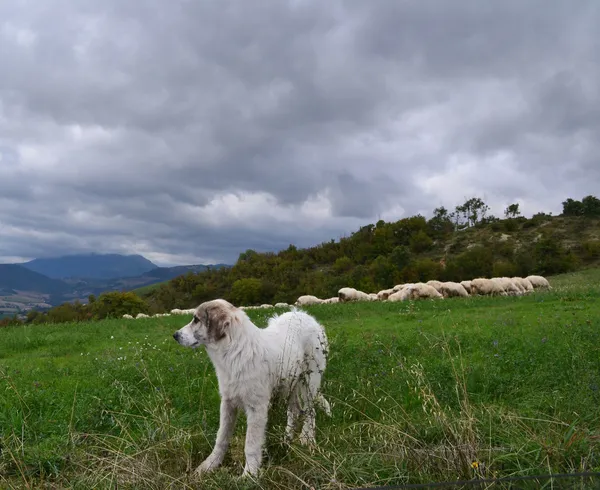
[[416, 291], [401, 295], [507, 285], [451, 289], [307, 300], [281, 305], [335, 299], [539, 282], [420, 290], [398, 287], [141, 315], [128, 316], [384, 294], [466, 285], [486, 287], [524, 284], [351, 294], [373, 297], [436, 284], [266, 305]]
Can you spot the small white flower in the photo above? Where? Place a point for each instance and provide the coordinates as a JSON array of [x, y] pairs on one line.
[[112, 336]]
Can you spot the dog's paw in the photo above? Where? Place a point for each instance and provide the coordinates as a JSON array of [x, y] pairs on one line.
[[209, 464]]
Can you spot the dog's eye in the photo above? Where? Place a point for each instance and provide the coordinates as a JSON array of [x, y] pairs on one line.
[[196, 319]]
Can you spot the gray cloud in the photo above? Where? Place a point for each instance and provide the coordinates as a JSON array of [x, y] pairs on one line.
[[191, 131]]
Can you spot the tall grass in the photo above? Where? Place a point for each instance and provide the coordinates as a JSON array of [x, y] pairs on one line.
[[420, 392]]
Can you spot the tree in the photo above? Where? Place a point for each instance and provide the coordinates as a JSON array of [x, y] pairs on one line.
[[590, 206], [400, 257], [441, 222], [512, 211], [473, 210], [420, 242], [572, 207], [245, 292]]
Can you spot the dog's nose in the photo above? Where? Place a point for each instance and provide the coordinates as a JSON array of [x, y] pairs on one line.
[[176, 336]]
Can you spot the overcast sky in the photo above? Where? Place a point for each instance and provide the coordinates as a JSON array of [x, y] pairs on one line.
[[189, 131]]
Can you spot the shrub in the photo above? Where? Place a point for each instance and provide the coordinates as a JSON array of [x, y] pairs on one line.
[[590, 250], [115, 304], [420, 242], [246, 292]]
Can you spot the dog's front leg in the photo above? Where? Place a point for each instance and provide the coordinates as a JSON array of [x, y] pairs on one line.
[[255, 437], [228, 416]]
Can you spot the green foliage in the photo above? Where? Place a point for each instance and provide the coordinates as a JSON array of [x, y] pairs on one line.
[[550, 257], [505, 269], [420, 242], [247, 291], [427, 269], [590, 250], [512, 211], [475, 262], [589, 206], [115, 304]]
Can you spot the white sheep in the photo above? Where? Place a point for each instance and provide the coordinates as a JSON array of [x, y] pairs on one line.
[[507, 285], [525, 284], [400, 295], [141, 315], [451, 289], [416, 291], [266, 305], [281, 305], [436, 284], [307, 300], [466, 285], [373, 297], [420, 290], [351, 294], [486, 287], [335, 299], [539, 282], [128, 316], [384, 294]]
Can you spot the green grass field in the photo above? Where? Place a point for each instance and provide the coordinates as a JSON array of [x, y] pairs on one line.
[[420, 392]]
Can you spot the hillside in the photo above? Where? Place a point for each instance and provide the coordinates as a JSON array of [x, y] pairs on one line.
[[449, 246], [91, 266], [17, 277]]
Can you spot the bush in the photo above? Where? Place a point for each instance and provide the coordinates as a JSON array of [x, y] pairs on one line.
[[427, 269], [246, 292], [420, 242], [115, 304], [476, 262], [505, 269], [551, 257], [590, 250]]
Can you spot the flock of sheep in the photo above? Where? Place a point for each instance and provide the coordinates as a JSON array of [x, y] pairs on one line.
[[496, 286]]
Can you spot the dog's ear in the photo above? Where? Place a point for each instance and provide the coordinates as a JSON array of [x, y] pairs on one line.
[[217, 322]]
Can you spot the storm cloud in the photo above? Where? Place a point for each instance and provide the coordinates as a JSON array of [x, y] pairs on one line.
[[192, 131]]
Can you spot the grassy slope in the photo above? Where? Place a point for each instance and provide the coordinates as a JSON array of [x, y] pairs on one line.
[[419, 391]]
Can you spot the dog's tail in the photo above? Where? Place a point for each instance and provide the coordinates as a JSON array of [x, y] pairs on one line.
[[324, 404]]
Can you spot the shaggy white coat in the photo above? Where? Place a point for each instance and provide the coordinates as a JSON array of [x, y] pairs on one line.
[[252, 365]]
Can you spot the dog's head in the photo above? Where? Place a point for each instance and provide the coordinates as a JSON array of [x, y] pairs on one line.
[[210, 324]]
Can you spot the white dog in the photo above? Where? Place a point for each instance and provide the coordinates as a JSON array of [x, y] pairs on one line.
[[252, 365]]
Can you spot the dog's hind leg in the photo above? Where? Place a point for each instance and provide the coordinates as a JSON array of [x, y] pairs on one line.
[[308, 393], [227, 421], [293, 412]]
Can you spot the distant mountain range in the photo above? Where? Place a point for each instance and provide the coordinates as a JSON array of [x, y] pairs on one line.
[[92, 266], [51, 281]]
